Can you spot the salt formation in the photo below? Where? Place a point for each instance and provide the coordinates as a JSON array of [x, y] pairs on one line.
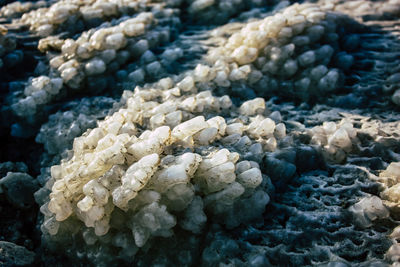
[[337, 140], [367, 210], [390, 180], [92, 60], [58, 133], [61, 15], [390, 196], [16, 9], [385, 67], [371, 9], [176, 158], [290, 53], [158, 165], [183, 168]]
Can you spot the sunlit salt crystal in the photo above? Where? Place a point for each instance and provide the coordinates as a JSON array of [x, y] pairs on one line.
[[285, 32], [252, 107], [189, 127], [56, 62], [266, 127], [348, 126], [85, 204], [291, 20], [315, 16], [69, 73], [69, 47], [250, 178], [134, 29], [238, 74], [367, 210], [340, 139], [222, 79], [243, 166], [187, 84], [329, 127], [166, 83], [174, 118], [201, 72], [245, 55], [140, 172], [393, 170], [115, 41], [280, 131], [225, 102], [235, 128], [206, 136], [89, 13], [218, 123]]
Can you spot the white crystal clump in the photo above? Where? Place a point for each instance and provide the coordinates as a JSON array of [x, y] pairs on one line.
[[155, 163]]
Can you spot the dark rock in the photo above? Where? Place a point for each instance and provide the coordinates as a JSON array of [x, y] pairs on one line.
[[9, 166], [14, 255], [280, 171], [309, 158], [19, 188]]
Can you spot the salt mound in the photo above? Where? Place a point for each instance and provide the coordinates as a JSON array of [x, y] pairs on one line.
[[158, 165]]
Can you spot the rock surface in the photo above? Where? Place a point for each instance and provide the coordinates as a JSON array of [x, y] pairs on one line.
[[14, 255]]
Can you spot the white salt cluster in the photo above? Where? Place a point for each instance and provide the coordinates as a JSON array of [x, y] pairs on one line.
[[290, 53], [17, 8], [157, 165], [390, 179], [368, 210], [364, 8], [336, 139], [91, 61], [61, 15]]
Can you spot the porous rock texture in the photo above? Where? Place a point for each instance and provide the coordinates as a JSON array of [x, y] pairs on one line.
[[200, 133]]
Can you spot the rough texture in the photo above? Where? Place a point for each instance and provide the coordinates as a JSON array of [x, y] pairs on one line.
[[162, 132], [19, 188], [13, 255]]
